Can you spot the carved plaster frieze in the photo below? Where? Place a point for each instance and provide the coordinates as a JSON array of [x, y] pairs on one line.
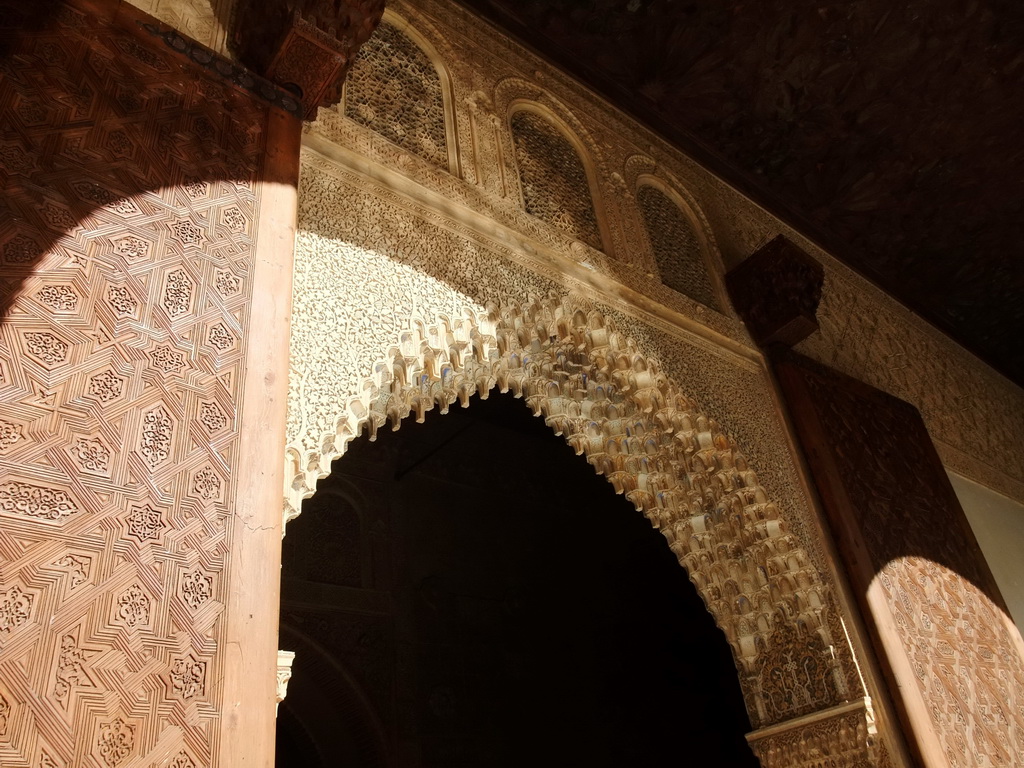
[[972, 411]]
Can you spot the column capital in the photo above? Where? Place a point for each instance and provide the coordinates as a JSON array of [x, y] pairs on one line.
[[845, 735]]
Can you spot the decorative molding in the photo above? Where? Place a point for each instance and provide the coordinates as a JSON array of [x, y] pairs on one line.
[[284, 673]]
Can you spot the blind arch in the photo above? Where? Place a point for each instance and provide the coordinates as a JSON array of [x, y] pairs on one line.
[[676, 246], [553, 177]]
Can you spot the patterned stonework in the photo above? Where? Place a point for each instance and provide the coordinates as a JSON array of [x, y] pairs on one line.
[[114, 271], [552, 177], [974, 414], [842, 737], [394, 90], [675, 246]]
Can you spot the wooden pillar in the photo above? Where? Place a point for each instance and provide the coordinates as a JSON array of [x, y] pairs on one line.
[[146, 236]]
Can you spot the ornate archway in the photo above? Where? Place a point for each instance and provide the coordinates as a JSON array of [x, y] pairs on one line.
[[614, 404]]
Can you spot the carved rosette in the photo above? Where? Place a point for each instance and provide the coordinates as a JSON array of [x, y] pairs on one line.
[[305, 46], [776, 291]]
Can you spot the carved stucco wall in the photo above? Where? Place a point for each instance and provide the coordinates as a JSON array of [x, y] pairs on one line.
[[415, 287], [404, 269], [971, 411], [129, 220], [552, 177], [958, 658], [975, 415]]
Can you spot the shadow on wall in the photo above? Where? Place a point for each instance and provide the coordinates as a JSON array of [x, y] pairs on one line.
[[333, 711], [111, 143]]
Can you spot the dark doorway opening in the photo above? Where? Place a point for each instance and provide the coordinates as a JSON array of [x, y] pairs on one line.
[[467, 592]]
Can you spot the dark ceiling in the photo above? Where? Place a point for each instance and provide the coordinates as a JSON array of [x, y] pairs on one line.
[[890, 132]]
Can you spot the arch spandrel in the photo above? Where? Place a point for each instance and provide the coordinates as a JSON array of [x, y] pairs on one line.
[[616, 406]]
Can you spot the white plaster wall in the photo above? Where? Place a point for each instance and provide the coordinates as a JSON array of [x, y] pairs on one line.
[[998, 524]]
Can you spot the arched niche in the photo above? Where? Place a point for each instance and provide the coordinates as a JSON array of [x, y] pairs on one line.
[[678, 242], [401, 88], [557, 179], [333, 720], [615, 405]]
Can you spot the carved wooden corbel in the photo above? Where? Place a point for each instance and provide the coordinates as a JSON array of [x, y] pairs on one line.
[[305, 46], [776, 292]]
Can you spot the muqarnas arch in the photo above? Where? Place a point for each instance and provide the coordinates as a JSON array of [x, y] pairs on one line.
[[615, 405]]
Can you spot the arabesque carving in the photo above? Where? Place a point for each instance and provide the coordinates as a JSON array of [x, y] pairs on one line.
[[394, 89], [675, 245], [974, 414], [929, 597]]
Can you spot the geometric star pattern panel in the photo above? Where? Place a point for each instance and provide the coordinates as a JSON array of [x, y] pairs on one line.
[[941, 626], [127, 244]]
